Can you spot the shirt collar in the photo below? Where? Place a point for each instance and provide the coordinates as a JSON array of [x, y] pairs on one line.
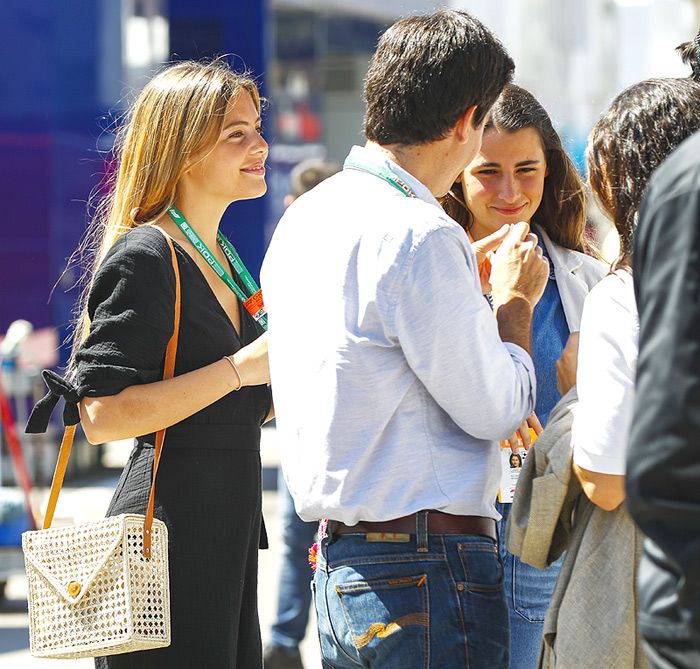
[[375, 158], [561, 257]]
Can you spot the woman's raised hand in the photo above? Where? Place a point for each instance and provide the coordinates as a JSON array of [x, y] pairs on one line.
[[567, 365]]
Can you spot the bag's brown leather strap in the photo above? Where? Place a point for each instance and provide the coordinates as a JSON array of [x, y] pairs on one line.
[[59, 473], [69, 434], [168, 373]]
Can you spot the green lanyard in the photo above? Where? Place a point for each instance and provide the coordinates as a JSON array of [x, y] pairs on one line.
[[380, 171], [253, 302]]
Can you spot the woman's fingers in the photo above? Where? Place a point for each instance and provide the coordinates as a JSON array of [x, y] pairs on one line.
[[513, 442], [534, 423], [520, 439], [490, 242]]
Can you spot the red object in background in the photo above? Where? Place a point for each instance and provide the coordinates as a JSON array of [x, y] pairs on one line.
[[300, 124], [309, 123], [15, 448]]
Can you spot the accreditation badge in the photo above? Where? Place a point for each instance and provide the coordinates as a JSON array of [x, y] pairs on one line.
[[511, 466]]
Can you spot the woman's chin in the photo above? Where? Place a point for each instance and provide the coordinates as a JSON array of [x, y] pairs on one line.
[[252, 193]]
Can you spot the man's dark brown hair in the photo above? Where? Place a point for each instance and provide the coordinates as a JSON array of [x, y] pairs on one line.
[[427, 71]]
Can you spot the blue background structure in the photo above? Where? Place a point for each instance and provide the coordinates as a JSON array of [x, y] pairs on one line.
[[62, 60]]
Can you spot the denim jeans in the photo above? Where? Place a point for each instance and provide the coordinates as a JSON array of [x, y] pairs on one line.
[[294, 594], [384, 605], [528, 593]]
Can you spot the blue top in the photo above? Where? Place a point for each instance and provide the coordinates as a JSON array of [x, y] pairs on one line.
[[550, 332]]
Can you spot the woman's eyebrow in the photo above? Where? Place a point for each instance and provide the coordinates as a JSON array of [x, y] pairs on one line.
[[241, 122], [522, 163]]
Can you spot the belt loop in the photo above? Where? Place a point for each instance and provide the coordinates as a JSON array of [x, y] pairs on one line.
[[330, 526], [422, 531]]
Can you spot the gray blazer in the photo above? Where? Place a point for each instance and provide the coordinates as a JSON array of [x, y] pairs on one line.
[[591, 622], [539, 526]]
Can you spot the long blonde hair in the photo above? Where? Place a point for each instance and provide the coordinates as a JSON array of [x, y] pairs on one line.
[[176, 117]]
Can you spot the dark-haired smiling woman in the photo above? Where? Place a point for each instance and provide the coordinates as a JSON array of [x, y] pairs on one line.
[[522, 173]]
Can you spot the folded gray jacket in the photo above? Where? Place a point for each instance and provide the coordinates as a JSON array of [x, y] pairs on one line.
[[591, 622], [539, 525]]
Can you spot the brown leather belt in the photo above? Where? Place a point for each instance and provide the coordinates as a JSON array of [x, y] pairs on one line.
[[438, 523]]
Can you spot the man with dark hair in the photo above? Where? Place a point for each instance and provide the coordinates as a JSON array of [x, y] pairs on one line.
[[392, 378], [428, 70], [663, 460]]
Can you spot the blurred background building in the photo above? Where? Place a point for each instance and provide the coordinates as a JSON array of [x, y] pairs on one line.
[[70, 68]]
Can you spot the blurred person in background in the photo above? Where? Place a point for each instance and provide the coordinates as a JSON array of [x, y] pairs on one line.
[[294, 592], [191, 145], [408, 378], [592, 621], [522, 173], [663, 467]]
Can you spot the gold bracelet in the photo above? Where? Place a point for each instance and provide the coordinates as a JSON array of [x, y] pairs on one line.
[[235, 369]]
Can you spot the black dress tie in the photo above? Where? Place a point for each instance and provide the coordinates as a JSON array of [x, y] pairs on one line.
[[58, 387]]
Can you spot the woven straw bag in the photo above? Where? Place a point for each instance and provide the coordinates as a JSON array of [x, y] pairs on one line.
[[99, 588]]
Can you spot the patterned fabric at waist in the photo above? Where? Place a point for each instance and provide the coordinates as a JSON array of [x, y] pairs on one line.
[[209, 436]]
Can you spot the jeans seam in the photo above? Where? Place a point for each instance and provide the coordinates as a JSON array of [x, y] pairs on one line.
[[324, 662], [351, 562], [426, 631], [338, 643], [459, 608], [515, 600]]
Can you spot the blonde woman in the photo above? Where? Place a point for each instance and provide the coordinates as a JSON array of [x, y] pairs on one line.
[[191, 146]]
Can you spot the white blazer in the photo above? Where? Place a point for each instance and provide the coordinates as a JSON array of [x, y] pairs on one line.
[[576, 273]]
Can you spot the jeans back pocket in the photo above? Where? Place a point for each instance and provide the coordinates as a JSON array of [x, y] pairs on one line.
[[483, 569], [388, 620]]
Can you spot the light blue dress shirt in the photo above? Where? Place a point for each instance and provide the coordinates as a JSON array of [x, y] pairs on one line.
[[390, 381]]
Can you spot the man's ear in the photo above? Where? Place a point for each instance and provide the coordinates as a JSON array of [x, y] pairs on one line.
[[465, 125]]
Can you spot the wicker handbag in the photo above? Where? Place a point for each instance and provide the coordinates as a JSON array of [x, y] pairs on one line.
[[100, 588]]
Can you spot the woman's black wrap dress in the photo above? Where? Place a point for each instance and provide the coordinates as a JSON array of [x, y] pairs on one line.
[[208, 490]]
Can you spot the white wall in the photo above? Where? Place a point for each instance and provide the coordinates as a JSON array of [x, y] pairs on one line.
[[388, 9], [576, 55]]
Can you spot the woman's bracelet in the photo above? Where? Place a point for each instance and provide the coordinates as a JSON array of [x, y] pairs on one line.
[[229, 359]]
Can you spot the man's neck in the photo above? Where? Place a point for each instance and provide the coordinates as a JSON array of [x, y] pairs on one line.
[[429, 163]]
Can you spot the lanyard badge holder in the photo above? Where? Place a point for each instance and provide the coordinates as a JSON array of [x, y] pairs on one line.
[[253, 302]]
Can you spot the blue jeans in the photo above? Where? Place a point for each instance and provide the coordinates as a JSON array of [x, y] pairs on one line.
[[384, 605], [528, 592], [294, 594]]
